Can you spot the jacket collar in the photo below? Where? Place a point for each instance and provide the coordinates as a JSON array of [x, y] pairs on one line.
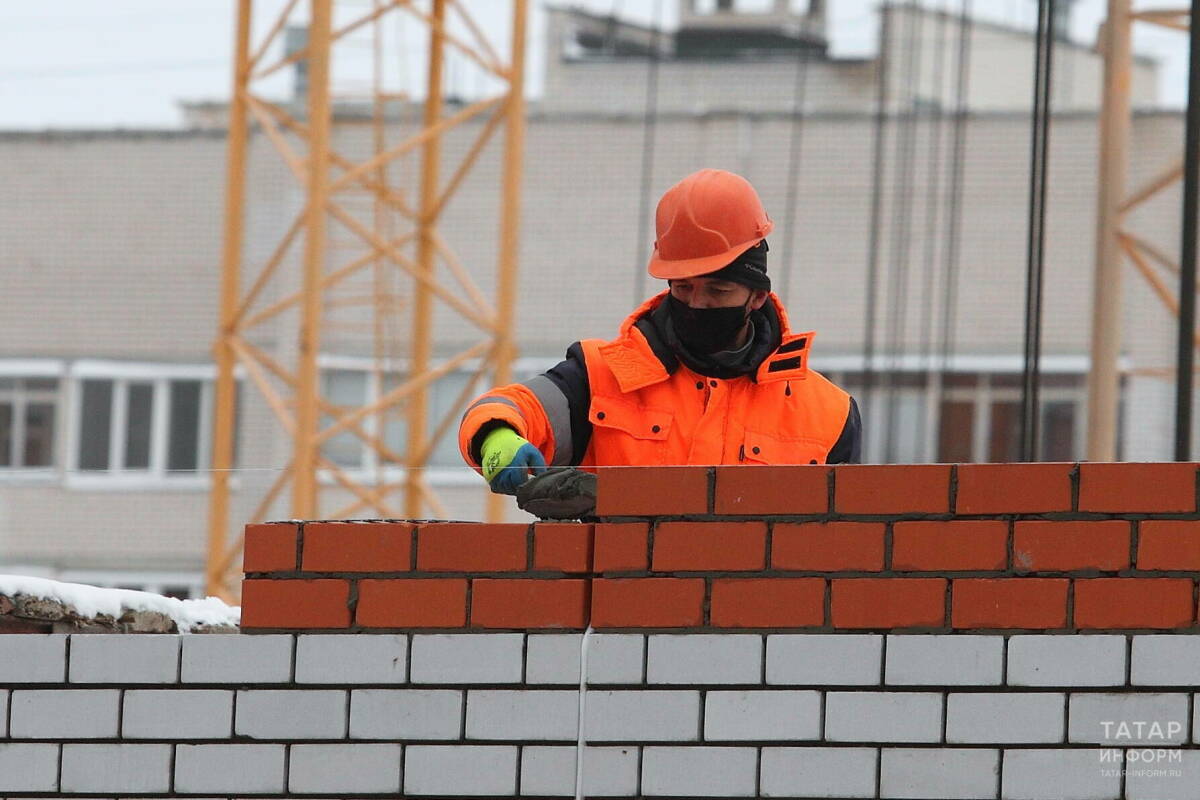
[[635, 362]]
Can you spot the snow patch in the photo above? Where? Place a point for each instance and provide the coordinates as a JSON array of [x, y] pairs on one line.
[[92, 601]]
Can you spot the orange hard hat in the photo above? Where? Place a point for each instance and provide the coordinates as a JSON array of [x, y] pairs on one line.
[[704, 222]]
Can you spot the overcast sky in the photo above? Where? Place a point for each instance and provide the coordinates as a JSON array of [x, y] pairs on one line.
[[127, 63]]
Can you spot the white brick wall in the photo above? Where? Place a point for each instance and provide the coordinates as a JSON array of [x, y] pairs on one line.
[[702, 715]]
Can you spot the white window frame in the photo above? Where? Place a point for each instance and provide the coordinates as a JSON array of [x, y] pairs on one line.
[[35, 368], [982, 395], [370, 472], [159, 376]]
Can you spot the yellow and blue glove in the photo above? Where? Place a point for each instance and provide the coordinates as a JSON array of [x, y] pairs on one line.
[[508, 459]]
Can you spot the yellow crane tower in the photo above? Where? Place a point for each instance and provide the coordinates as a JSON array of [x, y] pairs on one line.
[[400, 236]]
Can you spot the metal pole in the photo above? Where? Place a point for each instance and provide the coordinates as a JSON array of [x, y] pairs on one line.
[[1035, 245], [1187, 259], [1103, 377], [422, 299], [882, 76], [304, 487], [510, 219], [231, 261], [649, 126]]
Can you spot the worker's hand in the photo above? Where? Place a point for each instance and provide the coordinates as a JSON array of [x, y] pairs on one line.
[[508, 460]]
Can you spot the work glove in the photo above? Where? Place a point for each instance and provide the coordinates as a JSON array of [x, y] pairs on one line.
[[508, 459]]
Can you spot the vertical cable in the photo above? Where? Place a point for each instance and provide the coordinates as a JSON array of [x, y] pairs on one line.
[[1187, 258], [932, 218], [871, 289], [650, 120], [950, 257], [1035, 245], [580, 730], [793, 167], [902, 225]]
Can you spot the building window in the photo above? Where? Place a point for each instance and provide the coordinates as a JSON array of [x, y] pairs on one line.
[[960, 417], [149, 426], [28, 410], [351, 388]]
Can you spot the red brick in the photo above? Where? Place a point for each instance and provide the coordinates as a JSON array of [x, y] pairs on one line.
[[772, 490], [621, 546], [322, 603], [647, 602], [516, 603], [888, 602], [472, 547], [1133, 603], [651, 491], [270, 547], [1009, 603], [1133, 488], [1013, 488], [891, 489], [412, 603], [962, 544], [827, 546], [709, 546], [562, 546], [768, 602], [1039, 546], [357, 546], [1173, 544]]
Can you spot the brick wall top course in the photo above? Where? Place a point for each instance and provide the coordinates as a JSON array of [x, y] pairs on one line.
[[941, 548]]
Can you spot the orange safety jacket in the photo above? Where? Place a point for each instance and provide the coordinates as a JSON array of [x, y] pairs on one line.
[[640, 406]]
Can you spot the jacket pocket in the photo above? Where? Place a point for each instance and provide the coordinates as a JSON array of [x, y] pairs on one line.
[[640, 422], [766, 448]]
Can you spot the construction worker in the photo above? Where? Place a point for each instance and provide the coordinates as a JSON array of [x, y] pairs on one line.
[[706, 372]]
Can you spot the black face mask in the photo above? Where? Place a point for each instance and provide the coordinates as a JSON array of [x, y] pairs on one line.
[[706, 330]]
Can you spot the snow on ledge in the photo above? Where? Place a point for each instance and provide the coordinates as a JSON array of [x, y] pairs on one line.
[[93, 601]]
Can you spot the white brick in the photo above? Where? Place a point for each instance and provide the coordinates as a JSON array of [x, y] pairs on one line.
[[291, 714], [1046, 660], [704, 658], [458, 769], [467, 658], [341, 658], [935, 660], [646, 716], [954, 774], [1005, 717], [177, 714], [883, 717], [612, 658], [1165, 661], [33, 658], [818, 771], [824, 659], [537, 715], [344, 768], [64, 714], [1059, 775], [234, 768], [1175, 777], [3, 713], [237, 658], [607, 771], [699, 771], [406, 714], [131, 658], [762, 715], [116, 767], [1129, 720], [28, 767]]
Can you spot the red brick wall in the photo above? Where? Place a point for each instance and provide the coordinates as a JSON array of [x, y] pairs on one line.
[[994, 547]]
